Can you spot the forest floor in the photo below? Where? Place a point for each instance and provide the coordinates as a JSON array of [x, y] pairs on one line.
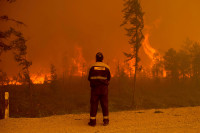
[[170, 120]]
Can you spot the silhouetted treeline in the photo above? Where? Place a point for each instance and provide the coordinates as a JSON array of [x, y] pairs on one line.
[[182, 64], [71, 94]]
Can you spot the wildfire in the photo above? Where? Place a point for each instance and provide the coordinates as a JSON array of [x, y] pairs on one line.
[[129, 68], [78, 66], [122, 67], [12, 82], [35, 79], [40, 79], [152, 53], [164, 73]]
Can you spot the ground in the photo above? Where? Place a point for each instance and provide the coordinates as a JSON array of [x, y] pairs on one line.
[[171, 120]]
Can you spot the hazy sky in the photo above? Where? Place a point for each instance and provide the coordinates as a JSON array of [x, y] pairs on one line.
[[54, 28]]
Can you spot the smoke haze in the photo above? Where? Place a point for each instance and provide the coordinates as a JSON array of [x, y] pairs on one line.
[[55, 28]]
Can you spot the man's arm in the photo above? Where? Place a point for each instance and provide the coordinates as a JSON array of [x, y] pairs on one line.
[[89, 74], [109, 76]]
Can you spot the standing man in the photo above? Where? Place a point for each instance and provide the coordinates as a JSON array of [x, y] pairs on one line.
[[99, 77]]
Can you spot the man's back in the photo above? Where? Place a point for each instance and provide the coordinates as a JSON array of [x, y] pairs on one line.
[[99, 74]]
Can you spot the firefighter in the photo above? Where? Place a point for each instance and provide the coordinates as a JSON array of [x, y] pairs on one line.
[[99, 77]]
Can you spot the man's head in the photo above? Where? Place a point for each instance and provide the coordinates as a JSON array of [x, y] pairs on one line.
[[99, 57]]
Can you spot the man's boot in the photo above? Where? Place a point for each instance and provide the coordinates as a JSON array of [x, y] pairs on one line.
[[92, 122], [105, 122]]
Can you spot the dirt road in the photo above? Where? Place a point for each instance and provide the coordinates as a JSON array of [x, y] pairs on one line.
[[175, 120]]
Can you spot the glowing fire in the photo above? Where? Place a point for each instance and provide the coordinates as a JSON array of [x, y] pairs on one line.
[[129, 68], [78, 66], [35, 79], [12, 82], [152, 53], [164, 73], [39, 79], [122, 67], [147, 47]]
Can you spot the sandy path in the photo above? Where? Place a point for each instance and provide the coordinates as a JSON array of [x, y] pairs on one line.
[[171, 120]]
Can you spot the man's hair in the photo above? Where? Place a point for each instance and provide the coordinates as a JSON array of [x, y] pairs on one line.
[[99, 57]]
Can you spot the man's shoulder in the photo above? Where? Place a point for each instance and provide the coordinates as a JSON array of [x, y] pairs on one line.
[[100, 64]]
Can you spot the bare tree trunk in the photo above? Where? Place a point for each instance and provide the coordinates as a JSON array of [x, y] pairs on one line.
[[134, 85], [136, 65]]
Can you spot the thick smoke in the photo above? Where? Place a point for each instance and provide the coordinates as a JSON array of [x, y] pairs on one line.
[[55, 28]]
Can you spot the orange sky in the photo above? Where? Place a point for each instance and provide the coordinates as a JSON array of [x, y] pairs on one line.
[[54, 27]]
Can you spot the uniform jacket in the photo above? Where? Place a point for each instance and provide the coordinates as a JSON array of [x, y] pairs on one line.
[[99, 75]]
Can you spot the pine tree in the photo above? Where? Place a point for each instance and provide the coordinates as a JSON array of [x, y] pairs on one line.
[[134, 24]]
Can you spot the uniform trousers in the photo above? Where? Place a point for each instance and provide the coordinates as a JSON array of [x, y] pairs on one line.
[[99, 93]]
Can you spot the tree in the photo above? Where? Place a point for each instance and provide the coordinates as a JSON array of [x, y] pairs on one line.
[[3, 78], [53, 73], [45, 79], [171, 63], [193, 49], [53, 78], [157, 69], [17, 45], [13, 40], [133, 20], [184, 63]]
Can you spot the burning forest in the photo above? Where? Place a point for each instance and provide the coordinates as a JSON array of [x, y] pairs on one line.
[[45, 59]]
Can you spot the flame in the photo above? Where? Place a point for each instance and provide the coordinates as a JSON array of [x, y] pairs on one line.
[[125, 67], [35, 78], [12, 82], [164, 73], [129, 68], [78, 67], [148, 49], [152, 53], [39, 78]]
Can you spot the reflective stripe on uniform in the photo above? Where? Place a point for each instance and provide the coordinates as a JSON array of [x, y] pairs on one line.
[[99, 68], [98, 77], [92, 118], [100, 64], [105, 117]]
